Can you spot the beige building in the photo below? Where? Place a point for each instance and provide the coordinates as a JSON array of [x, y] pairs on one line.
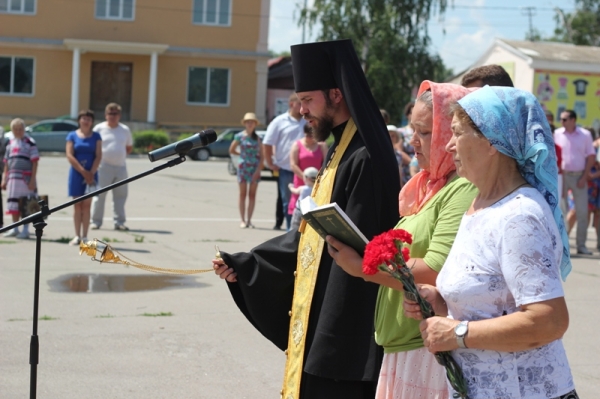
[[171, 63], [562, 76]]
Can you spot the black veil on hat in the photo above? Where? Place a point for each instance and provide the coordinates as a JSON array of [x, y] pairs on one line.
[[334, 64]]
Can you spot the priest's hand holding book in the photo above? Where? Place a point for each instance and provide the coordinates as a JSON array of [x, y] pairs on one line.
[[345, 256]]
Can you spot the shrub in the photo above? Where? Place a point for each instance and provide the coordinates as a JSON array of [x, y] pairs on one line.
[[184, 136], [148, 140]]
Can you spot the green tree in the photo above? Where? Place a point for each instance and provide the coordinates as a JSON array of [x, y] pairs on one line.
[[275, 54], [581, 27], [391, 39], [534, 35]]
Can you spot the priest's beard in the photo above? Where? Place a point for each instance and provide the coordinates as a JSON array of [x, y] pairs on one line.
[[321, 128]]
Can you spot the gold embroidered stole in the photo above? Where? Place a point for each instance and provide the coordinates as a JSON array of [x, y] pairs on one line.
[[310, 250]]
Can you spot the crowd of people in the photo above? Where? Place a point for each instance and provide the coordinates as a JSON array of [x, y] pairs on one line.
[[489, 243], [477, 176], [97, 156]]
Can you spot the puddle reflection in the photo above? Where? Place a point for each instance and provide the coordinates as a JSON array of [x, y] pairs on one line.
[[120, 283]]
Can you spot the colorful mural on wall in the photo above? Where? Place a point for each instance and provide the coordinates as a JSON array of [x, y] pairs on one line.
[[580, 92]]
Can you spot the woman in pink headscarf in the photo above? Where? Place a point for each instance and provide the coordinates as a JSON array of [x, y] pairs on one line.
[[432, 204]]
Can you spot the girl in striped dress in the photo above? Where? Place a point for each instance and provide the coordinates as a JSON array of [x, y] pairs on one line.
[[21, 162]]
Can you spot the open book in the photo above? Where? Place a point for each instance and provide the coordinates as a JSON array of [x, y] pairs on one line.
[[331, 220]]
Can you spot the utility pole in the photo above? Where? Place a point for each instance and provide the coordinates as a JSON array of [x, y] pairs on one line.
[[529, 11]]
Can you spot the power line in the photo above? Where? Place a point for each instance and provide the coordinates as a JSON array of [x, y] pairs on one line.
[[252, 15], [507, 8]]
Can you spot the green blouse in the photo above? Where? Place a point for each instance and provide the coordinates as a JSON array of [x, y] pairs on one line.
[[433, 230]]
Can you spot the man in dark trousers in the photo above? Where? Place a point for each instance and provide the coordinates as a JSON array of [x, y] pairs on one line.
[[289, 287]]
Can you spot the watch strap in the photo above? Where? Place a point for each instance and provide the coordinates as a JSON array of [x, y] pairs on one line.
[[460, 339]]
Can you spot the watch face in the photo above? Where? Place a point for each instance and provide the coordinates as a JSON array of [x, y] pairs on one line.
[[461, 329]]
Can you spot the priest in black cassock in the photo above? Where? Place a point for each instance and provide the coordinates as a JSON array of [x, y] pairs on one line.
[[289, 288]]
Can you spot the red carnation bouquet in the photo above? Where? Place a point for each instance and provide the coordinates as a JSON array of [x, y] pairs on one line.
[[387, 252]]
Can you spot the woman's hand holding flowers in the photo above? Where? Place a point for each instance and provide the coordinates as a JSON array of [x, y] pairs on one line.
[[431, 295], [438, 334]]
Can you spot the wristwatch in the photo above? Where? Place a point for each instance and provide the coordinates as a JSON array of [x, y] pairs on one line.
[[461, 331]]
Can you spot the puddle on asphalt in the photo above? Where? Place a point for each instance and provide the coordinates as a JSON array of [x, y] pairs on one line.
[[120, 283]]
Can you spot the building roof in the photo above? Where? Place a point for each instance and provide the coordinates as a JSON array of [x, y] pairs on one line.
[[565, 57], [555, 51], [280, 73]]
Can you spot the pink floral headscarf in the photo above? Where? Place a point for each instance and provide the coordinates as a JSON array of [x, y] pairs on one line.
[[425, 184]]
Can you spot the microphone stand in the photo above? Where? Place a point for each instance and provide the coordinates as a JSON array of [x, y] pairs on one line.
[[38, 222]]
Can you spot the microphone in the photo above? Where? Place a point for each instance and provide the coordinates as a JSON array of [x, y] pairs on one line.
[[182, 147]]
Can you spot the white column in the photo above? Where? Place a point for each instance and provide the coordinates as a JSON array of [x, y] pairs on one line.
[[263, 31], [75, 83], [152, 88], [262, 74]]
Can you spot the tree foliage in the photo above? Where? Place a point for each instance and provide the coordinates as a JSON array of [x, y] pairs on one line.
[[391, 40], [581, 27]]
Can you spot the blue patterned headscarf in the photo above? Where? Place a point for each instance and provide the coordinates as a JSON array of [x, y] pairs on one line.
[[515, 124]]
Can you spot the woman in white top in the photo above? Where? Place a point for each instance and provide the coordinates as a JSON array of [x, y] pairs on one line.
[[501, 284]]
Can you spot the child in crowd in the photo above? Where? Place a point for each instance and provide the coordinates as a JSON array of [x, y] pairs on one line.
[[310, 175]]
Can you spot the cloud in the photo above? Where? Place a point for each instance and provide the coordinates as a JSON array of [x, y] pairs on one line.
[[468, 36], [283, 33], [463, 50], [284, 30]]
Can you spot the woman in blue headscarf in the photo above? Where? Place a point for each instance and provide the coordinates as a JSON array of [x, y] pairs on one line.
[[501, 283]]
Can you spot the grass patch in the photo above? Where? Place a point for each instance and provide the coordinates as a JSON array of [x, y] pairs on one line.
[[161, 314], [105, 316], [46, 317], [17, 319], [7, 242], [108, 239], [62, 240], [138, 238], [216, 240]]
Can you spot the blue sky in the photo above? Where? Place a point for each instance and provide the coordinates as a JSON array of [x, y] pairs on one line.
[[470, 26]]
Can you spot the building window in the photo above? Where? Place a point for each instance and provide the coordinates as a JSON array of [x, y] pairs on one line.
[[208, 86], [114, 9], [212, 12], [16, 75], [17, 6]]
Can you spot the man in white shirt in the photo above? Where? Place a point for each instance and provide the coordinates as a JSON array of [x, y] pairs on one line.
[[578, 157], [117, 142], [282, 132]]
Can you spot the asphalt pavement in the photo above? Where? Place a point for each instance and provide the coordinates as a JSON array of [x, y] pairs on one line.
[[112, 331]]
